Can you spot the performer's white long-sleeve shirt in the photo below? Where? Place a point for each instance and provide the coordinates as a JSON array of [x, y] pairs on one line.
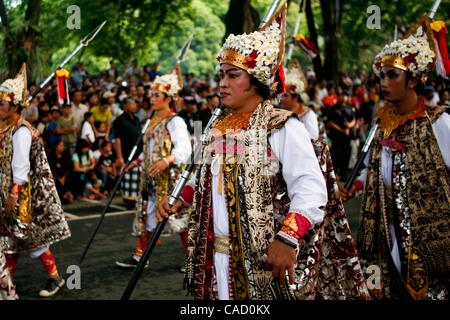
[[181, 140], [21, 155], [305, 184], [182, 150], [309, 119]]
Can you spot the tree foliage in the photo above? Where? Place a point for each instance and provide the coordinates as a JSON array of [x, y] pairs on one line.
[[147, 31]]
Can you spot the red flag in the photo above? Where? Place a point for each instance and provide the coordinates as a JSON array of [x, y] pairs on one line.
[[306, 44], [62, 76]]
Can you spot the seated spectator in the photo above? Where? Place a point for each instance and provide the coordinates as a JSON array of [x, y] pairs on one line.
[[83, 161], [61, 167], [93, 187], [106, 165]]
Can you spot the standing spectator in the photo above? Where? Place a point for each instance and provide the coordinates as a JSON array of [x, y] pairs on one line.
[[116, 110], [189, 113], [342, 119], [44, 117], [31, 114], [127, 129], [51, 135], [78, 109], [154, 72], [88, 131], [67, 129], [103, 115]]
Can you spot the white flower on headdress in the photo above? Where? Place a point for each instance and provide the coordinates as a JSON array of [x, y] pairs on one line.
[[296, 82], [167, 83], [15, 89]]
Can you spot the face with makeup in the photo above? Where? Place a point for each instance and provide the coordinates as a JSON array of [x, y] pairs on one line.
[[236, 90], [159, 100], [395, 84]]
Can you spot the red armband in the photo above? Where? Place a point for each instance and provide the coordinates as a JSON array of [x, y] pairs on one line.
[[187, 195], [358, 185], [295, 225]]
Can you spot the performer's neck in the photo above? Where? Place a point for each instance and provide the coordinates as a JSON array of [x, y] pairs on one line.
[[14, 118], [249, 105], [408, 104], [162, 112]]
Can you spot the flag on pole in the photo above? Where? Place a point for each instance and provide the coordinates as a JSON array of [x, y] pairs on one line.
[[62, 76], [306, 44]]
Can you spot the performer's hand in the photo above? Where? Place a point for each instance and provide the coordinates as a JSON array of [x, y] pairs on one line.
[[157, 168], [164, 210], [9, 210], [344, 193], [130, 166], [282, 258], [120, 162]]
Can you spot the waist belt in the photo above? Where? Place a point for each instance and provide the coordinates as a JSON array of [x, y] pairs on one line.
[[221, 244]]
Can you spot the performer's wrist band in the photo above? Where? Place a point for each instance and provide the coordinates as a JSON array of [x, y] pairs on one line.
[[166, 162], [358, 185], [287, 239]]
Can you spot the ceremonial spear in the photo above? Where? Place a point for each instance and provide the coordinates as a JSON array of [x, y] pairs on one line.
[[296, 27], [130, 158], [372, 131], [175, 195], [83, 43]]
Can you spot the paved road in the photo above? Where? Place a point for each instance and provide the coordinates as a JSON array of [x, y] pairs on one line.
[[100, 278]]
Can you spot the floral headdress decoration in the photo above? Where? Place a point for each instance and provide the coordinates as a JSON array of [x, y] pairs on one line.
[[416, 53], [260, 53], [296, 81], [170, 83], [15, 90]]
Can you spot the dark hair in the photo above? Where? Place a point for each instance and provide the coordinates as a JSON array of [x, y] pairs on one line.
[[104, 143], [81, 144], [260, 88], [211, 96], [87, 115], [420, 87]]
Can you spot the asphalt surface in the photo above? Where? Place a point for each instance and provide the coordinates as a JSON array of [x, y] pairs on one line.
[[99, 277]]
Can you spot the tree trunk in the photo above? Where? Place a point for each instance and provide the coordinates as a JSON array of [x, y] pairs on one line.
[[317, 61], [241, 18], [21, 47], [330, 26]]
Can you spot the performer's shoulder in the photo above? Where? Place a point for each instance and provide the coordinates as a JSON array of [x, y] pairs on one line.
[[435, 112], [278, 117], [25, 125]]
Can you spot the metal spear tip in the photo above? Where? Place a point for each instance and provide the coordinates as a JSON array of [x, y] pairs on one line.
[[85, 41], [184, 49]]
